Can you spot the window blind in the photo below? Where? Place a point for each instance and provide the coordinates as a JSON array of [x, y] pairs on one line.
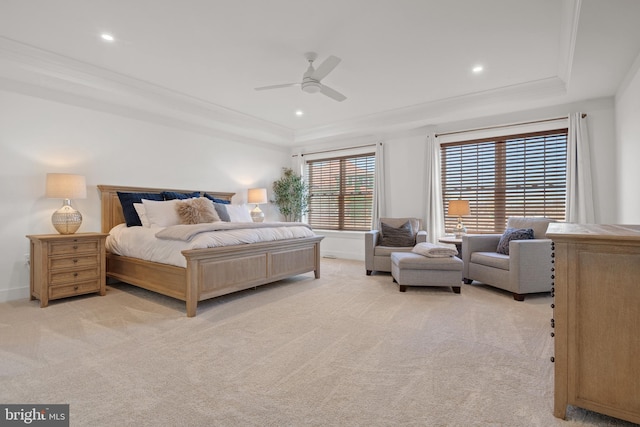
[[517, 175], [341, 192]]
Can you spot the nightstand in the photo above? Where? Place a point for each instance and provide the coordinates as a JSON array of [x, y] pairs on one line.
[[65, 265]]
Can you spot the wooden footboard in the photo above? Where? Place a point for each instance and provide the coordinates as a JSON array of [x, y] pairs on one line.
[[210, 272]]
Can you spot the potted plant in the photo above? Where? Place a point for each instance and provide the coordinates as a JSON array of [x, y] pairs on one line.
[[291, 195]]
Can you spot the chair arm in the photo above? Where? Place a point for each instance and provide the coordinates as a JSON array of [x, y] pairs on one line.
[[530, 264], [477, 243], [370, 242], [421, 237]]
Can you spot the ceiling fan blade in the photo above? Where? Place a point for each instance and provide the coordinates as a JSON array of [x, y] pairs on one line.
[[277, 86], [332, 93], [326, 67]]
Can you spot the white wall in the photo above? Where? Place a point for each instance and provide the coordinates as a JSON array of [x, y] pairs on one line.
[[38, 136], [628, 136], [405, 165]]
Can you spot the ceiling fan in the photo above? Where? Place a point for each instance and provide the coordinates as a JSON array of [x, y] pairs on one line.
[[311, 78]]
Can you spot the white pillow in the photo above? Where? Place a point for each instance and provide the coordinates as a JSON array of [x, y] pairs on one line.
[[238, 213], [139, 207], [161, 213]]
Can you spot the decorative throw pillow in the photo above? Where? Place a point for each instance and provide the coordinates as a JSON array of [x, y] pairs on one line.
[[238, 213], [142, 214], [513, 234], [197, 211], [220, 206], [397, 237], [127, 200], [162, 214], [221, 209]]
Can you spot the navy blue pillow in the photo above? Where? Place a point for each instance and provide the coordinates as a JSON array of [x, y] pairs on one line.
[[171, 195], [513, 234], [213, 199], [127, 200]]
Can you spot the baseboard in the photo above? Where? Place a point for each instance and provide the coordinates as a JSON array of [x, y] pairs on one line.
[[13, 294]]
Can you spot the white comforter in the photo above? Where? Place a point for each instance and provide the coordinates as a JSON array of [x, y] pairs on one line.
[[142, 242]]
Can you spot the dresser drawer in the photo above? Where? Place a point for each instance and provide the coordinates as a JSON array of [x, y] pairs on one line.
[[73, 276], [74, 247], [74, 289], [56, 263]]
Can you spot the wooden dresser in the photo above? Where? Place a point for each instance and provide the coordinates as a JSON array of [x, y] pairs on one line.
[[65, 265], [596, 319]]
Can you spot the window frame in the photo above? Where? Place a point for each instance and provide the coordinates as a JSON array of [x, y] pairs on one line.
[[338, 217], [505, 193]]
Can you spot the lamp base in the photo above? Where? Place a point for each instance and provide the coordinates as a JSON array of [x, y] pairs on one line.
[[460, 228], [257, 215], [66, 220]]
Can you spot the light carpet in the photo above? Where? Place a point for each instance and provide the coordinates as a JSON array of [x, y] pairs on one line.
[[343, 350]]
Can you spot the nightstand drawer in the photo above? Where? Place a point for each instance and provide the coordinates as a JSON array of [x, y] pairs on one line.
[[74, 247], [73, 276], [75, 261], [74, 289]]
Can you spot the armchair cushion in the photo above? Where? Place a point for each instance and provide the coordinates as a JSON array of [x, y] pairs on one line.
[[513, 234], [401, 236]]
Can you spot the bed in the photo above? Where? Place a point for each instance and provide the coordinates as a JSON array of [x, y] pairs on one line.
[[209, 272]]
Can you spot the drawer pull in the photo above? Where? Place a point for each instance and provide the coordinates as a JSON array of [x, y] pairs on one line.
[[75, 274], [75, 288], [75, 246], [75, 261]]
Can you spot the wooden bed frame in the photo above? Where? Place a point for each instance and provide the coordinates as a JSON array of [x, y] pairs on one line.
[[210, 272]]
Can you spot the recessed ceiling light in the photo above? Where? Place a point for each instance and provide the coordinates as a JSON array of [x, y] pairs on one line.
[[107, 37], [477, 69], [299, 113]]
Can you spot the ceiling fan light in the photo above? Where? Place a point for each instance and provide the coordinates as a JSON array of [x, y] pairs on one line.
[[311, 87]]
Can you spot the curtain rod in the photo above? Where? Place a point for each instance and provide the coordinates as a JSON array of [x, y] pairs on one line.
[[337, 149], [505, 126]]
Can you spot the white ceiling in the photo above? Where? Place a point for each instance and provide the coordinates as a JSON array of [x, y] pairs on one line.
[[405, 63]]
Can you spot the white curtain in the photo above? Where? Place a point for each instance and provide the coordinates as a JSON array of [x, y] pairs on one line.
[[297, 164], [579, 203], [433, 191], [379, 198]]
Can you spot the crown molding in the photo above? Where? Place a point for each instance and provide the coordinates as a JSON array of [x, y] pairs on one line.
[[38, 72], [478, 104], [568, 34]]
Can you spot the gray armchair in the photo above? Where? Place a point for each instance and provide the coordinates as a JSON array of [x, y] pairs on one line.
[[377, 257], [525, 270]]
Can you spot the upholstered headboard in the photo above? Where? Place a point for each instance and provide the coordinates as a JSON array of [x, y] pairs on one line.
[[111, 209]]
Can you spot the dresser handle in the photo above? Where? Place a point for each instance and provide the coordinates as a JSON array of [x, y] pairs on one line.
[[75, 288], [75, 261], [75, 247], [75, 274]]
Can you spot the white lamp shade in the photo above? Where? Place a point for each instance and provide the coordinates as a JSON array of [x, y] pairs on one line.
[[257, 195], [66, 186]]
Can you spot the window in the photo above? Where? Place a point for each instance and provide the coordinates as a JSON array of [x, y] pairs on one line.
[[341, 192], [517, 175]]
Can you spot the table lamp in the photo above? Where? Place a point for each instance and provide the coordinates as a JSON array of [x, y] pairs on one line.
[[459, 208], [257, 196], [66, 220]]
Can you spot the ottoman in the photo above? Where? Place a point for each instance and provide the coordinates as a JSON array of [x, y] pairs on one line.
[[411, 269]]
